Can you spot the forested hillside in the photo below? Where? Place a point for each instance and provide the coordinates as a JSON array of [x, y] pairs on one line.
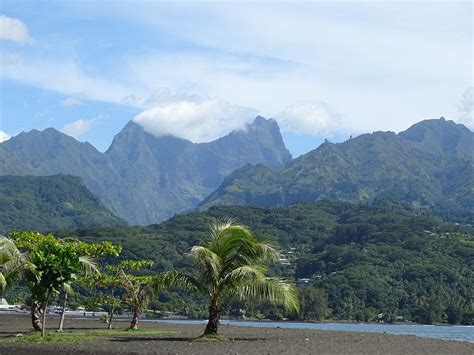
[[364, 261], [50, 202]]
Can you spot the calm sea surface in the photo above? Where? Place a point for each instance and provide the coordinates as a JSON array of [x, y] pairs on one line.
[[458, 333]]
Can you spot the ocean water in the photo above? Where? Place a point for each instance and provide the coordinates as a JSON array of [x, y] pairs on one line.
[[457, 333]]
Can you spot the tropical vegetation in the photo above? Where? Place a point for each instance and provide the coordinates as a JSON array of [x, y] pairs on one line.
[[368, 261], [231, 266], [384, 261], [52, 264], [46, 203], [139, 289]]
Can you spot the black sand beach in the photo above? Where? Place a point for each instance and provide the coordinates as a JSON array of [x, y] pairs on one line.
[[240, 340]]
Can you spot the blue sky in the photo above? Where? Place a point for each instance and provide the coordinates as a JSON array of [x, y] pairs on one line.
[[199, 70]]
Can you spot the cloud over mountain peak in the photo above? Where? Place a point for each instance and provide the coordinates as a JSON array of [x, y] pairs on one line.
[[197, 121]]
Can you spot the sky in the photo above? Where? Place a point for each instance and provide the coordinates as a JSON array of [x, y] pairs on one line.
[[198, 70]]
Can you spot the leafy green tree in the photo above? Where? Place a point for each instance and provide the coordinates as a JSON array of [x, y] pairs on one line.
[[314, 303], [107, 284], [57, 262], [116, 278], [230, 266], [431, 310], [139, 289], [454, 312]]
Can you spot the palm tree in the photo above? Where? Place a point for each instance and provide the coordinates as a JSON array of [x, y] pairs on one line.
[[88, 266], [140, 291], [230, 266], [13, 263]]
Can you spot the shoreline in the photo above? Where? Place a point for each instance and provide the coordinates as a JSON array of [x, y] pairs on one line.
[[239, 339], [445, 332], [256, 320]]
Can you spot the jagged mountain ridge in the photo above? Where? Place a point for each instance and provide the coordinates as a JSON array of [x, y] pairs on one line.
[[435, 172], [146, 179]]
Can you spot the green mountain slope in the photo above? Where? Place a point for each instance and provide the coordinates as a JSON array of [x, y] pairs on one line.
[[367, 258], [50, 202], [378, 165]]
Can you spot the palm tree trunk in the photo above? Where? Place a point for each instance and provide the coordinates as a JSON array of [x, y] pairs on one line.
[[214, 316], [111, 317], [134, 322], [63, 311], [36, 315], [45, 306]]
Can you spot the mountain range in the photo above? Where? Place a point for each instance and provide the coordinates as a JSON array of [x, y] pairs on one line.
[[146, 179], [143, 178], [429, 165]]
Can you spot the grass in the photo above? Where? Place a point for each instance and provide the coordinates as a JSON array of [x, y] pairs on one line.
[[212, 337], [80, 336]]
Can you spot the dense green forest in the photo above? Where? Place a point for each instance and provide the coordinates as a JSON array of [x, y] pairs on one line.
[[50, 202], [381, 261]]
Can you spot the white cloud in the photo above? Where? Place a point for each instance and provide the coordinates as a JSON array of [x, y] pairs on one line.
[[379, 62], [196, 121], [158, 96], [71, 101], [4, 136], [80, 127], [12, 29], [66, 77], [310, 118], [466, 107]]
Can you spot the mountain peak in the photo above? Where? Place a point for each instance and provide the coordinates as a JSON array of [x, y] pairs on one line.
[[172, 174], [371, 166], [441, 136], [262, 120]]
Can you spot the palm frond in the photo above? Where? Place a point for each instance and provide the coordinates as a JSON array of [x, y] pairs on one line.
[[273, 290], [241, 276], [88, 265], [208, 261], [67, 287], [13, 262], [238, 247], [179, 280], [230, 238], [216, 228], [3, 282], [8, 250]]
